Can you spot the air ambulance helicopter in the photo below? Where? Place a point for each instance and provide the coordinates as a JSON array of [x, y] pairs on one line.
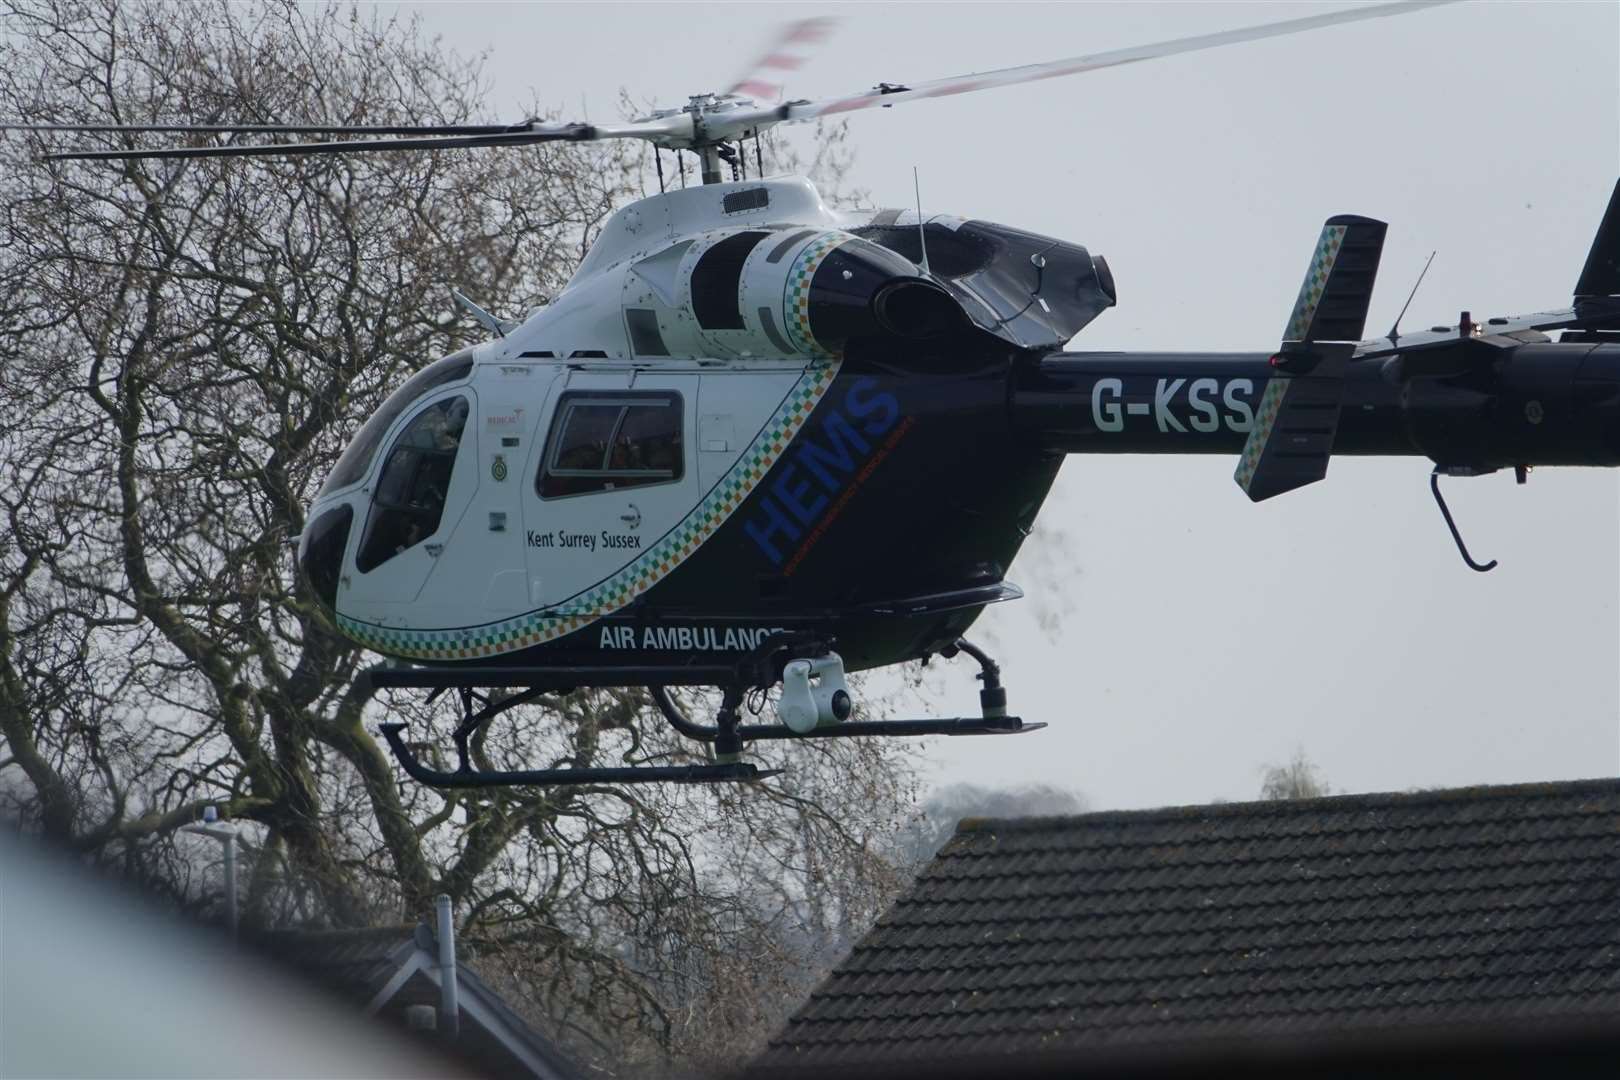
[[760, 442]]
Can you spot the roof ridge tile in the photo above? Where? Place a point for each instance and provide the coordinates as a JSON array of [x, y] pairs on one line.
[[1296, 807]]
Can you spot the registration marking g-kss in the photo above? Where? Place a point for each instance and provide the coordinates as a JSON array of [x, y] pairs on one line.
[[1206, 406]]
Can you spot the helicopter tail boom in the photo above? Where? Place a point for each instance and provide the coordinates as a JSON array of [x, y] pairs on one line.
[[1474, 397], [1491, 402]]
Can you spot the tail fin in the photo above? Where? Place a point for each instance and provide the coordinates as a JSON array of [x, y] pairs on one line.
[[1338, 286], [1601, 275], [1292, 437]]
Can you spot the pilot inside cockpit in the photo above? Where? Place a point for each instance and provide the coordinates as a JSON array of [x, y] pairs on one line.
[[415, 482], [452, 421]]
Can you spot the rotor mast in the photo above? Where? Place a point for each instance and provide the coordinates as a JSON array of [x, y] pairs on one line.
[[716, 120], [709, 158]]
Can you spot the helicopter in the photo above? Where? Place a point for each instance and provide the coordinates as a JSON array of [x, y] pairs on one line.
[[700, 463]]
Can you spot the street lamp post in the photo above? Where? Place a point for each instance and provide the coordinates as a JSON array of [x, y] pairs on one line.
[[226, 835]]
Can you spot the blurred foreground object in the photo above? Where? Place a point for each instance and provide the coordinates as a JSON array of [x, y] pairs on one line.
[[98, 984], [400, 973]]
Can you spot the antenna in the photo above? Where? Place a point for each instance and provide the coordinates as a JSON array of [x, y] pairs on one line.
[[495, 325], [1395, 331], [922, 236]]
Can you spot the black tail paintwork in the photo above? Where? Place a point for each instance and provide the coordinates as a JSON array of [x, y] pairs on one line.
[[1600, 277]]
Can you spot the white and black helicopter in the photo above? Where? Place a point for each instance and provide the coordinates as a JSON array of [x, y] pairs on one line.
[[692, 467]]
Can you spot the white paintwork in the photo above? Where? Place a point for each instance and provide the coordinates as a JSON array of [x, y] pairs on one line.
[[483, 574], [639, 261], [735, 404], [651, 224], [730, 383], [481, 571], [564, 570]]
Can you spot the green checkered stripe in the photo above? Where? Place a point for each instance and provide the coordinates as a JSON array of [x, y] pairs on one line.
[[548, 624], [1316, 279], [796, 296], [1265, 419]]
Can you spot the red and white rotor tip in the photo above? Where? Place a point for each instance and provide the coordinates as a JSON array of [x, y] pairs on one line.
[[792, 48]]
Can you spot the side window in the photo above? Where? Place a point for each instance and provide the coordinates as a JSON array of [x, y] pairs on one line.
[[607, 442], [411, 489]]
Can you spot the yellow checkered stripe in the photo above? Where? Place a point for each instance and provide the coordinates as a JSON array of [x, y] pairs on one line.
[[1265, 419], [1316, 279], [796, 293], [613, 593]]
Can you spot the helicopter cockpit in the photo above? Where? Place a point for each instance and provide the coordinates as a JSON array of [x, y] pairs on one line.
[[356, 460], [411, 489], [410, 493]]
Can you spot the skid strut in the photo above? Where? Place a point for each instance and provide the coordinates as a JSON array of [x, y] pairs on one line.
[[992, 700], [474, 717], [727, 735], [959, 725]]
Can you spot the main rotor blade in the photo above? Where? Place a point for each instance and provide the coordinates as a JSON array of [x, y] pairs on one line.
[[788, 51], [280, 129], [524, 135], [1077, 64], [678, 131]]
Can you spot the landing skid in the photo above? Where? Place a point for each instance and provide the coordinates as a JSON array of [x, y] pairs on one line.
[[965, 725], [849, 729], [633, 774], [726, 737]]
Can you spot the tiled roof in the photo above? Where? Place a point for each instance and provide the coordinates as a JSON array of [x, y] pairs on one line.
[[1248, 920], [356, 963]]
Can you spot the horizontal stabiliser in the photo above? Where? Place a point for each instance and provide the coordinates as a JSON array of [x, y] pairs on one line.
[[1292, 437]]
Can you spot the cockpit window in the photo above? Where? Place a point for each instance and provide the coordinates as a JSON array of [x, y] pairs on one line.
[[606, 442], [409, 500], [352, 466]]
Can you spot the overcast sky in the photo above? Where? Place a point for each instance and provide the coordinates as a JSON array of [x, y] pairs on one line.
[[1177, 637]]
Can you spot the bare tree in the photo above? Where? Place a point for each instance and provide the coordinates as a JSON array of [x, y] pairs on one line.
[[1298, 778], [946, 807], [184, 348]]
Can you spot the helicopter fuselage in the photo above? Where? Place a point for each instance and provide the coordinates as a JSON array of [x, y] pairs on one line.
[[740, 417], [749, 413], [832, 497]]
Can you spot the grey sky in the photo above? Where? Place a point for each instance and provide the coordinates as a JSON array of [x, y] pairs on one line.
[[1200, 635]]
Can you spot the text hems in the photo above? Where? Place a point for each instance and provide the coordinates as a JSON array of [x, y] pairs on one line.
[[806, 481]]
